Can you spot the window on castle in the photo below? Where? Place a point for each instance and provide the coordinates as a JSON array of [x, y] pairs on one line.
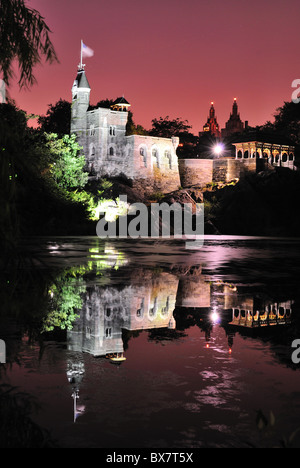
[[291, 157], [92, 130], [108, 333], [155, 158], [165, 309], [168, 156], [112, 131], [140, 311], [143, 154], [153, 310], [284, 157], [111, 151]]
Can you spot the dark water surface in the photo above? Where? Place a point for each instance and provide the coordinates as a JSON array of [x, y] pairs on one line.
[[205, 339]]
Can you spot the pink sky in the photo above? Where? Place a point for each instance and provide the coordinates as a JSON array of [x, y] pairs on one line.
[[173, 57]]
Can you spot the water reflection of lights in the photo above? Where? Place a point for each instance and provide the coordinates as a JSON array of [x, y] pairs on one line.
[[214, 317]]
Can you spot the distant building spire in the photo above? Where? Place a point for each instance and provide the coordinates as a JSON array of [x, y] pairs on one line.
[[212, 125], [234, 124]]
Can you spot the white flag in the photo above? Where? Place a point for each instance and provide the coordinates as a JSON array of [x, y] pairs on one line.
[[87, 51]]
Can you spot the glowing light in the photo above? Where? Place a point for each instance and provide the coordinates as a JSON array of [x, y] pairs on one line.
[[218, 149], [215, 317]]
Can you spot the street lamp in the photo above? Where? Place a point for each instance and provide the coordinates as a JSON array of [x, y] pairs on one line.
[[218, 149]]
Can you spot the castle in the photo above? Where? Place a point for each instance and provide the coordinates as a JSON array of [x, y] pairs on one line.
[[150, 163]]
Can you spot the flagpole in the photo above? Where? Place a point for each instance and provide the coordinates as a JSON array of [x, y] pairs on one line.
[[81, 56]]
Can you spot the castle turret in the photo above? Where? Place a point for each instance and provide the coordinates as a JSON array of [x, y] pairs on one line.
[[80, 104]]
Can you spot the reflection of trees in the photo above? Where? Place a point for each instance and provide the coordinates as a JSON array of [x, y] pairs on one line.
[[66, 300], [17, 429], [46, 304], [160, 335]]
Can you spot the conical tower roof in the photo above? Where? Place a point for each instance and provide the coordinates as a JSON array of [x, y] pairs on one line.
[[81, 79]]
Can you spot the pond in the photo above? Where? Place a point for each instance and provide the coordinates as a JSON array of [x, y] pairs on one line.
[[145, 344]]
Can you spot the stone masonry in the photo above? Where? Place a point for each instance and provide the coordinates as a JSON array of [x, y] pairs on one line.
[[150, 163]]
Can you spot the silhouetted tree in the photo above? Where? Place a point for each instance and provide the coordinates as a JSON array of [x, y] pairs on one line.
[[57, 119], [132, 128], [166, 128], [286, 122], [24, 36]]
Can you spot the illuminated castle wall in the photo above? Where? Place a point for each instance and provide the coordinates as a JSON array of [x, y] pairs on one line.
[[150, 162], [108, 309]]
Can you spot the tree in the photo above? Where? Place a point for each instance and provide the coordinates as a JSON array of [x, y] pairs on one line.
[[67, 168], [104, 103], [286, 122], [132, 128], [166, 128], [24, 36], [13, 130], [57, 119]]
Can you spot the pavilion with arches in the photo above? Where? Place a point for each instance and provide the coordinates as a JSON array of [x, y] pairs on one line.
[[273, 150]]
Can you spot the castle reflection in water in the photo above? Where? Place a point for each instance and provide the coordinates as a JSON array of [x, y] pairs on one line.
[[135, 299], [146, 299]]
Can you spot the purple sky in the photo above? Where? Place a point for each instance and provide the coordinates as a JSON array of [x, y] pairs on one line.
[[173, 57]]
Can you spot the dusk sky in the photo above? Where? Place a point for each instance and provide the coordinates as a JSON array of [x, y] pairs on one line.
[[173, 57]]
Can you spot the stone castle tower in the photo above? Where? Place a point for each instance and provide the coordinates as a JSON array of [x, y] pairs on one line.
[[150, 163]]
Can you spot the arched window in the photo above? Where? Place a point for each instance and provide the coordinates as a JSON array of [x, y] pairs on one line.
[[111, 151], [140, 311], [155, 158], [112, 131], [168, 156], [291, 157], [246, 154], [92, 150], [284, 157], [153, 310], [240, 154], [143, 155]]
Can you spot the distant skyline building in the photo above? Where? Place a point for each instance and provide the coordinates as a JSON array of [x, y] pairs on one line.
[[212, 125], [234, 124]]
